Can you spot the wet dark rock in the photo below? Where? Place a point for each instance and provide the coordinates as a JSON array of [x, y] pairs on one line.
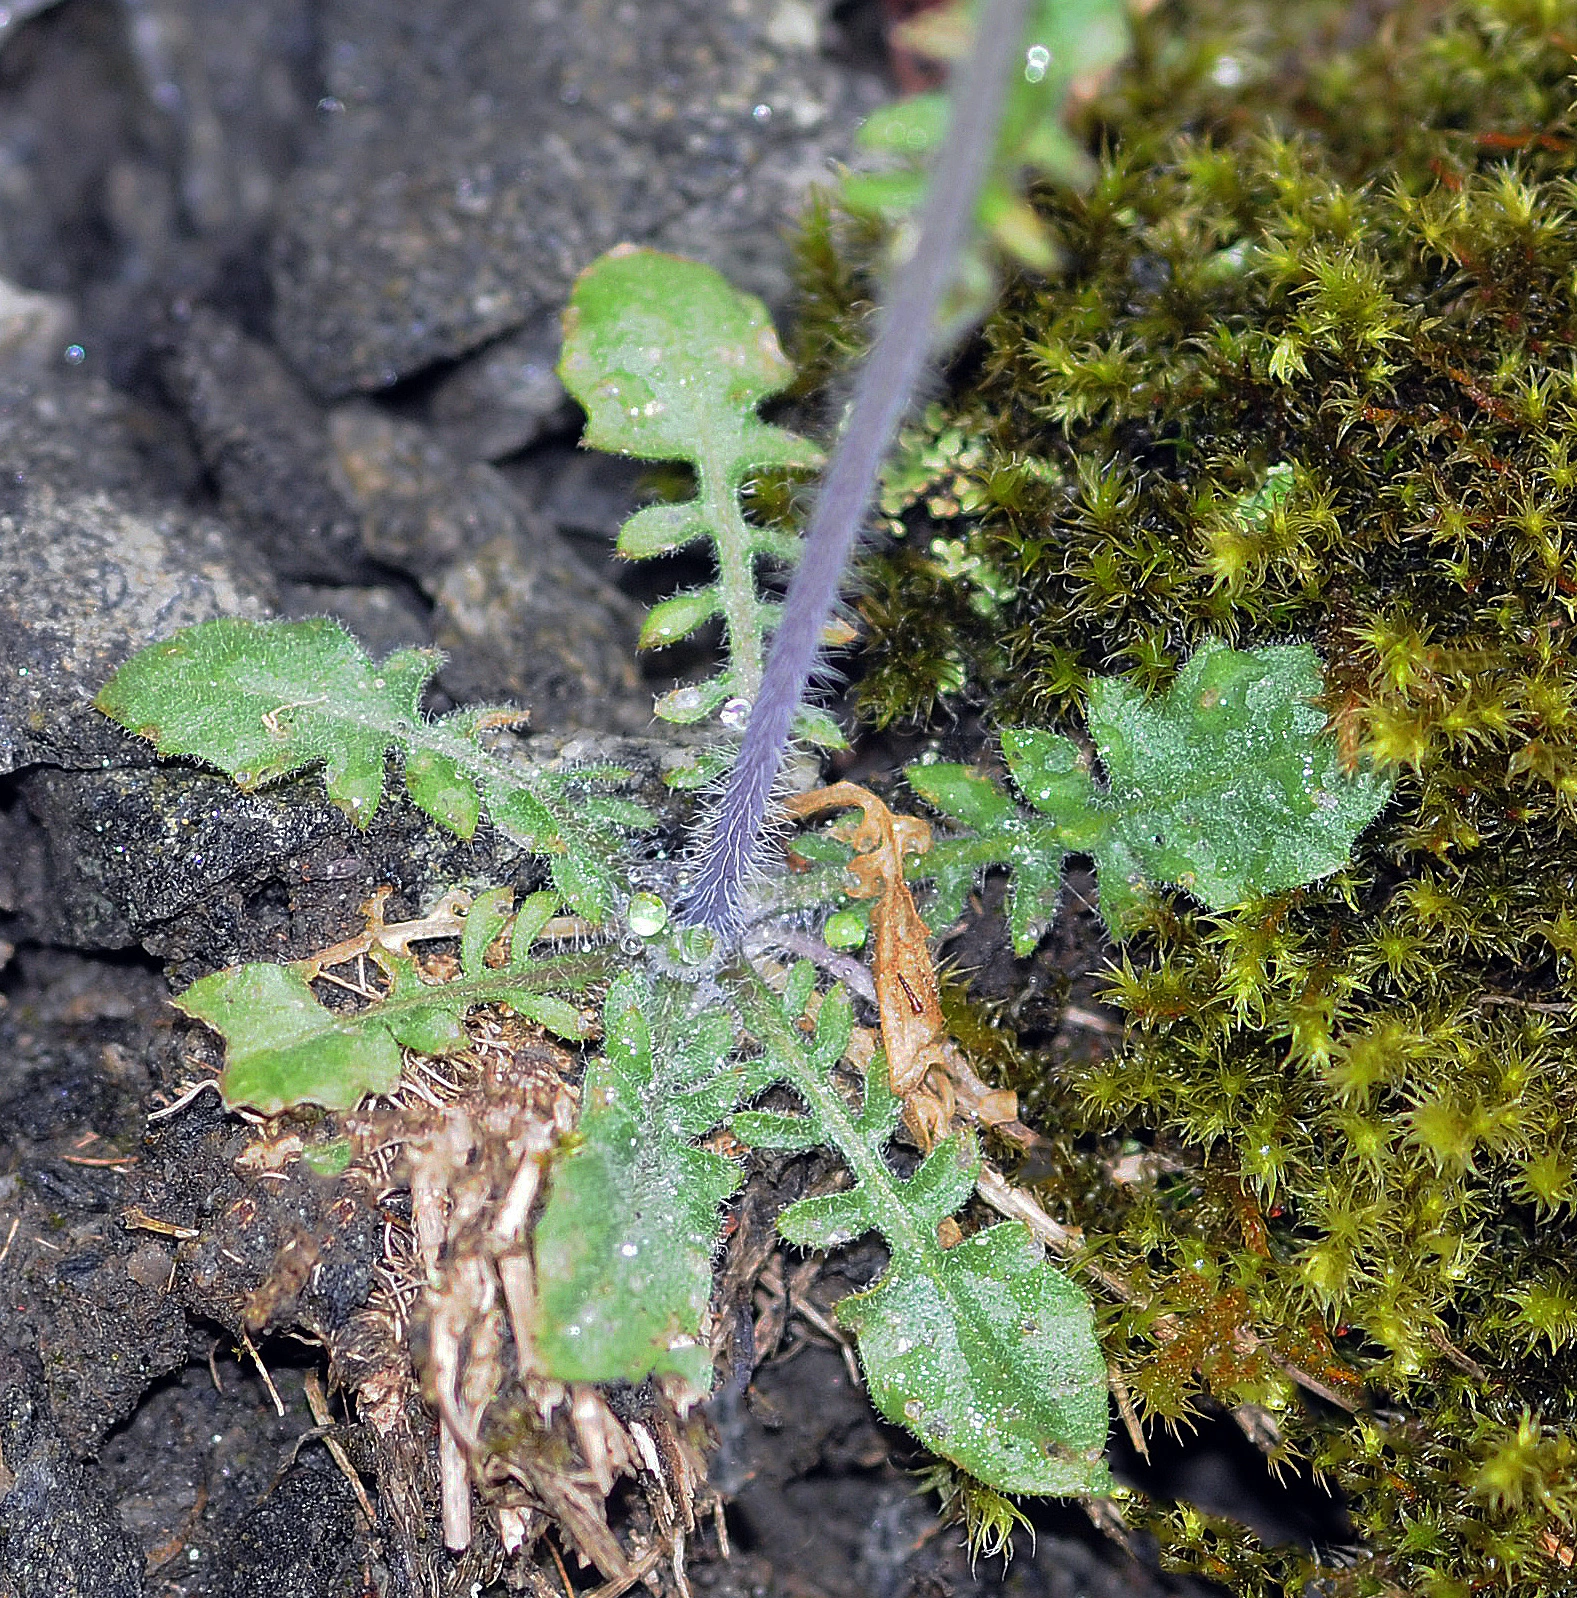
[[382, 618], [146, 144], [506, 396], [265, 444], [232, 86], [97, 559], [204, 1449], [203, 875], [420, 507], [74, 1045], [59, 1536], [518, 613], [280, 1246], [68, 119], [527, 616], [76, 1033], [578, 490], [476, 154], [33, 330], [303, 1539]]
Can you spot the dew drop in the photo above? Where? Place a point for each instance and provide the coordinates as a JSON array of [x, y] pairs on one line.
[[1036, 59], [844, 930], [647, 915], [735, 712]]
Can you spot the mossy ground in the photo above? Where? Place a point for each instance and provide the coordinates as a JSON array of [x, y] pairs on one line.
[[1309, 374]]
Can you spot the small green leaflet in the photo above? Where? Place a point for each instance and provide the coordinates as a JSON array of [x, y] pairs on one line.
[[624, 1246], [985, 1351], [669, 362], [283, 1047], [264, 700], [1227, 785]]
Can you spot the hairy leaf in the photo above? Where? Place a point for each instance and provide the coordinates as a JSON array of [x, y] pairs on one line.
[[984, 1350], [1226, 785], [264, 700], [624, 1247], [284, 1047], [669, 362]]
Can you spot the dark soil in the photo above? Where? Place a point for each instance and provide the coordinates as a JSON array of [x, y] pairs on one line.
[[278, 338]]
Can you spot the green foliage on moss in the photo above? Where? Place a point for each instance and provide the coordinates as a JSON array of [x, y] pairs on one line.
[[1308, 379]]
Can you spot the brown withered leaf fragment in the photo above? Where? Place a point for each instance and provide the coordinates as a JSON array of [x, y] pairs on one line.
[[908, 997], [927, 1069]]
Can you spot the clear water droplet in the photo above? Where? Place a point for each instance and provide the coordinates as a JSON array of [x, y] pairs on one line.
[[735, 712], [697, 944], [647, 915], [1036, 59]]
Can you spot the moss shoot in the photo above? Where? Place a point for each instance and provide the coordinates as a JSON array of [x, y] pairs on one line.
[[1308, 375]]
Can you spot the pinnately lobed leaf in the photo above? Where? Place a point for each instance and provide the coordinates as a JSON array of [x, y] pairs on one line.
[[264, 700], [624, 1246], [1227, 786], [284, 1048], [670, 361], [984, 1350]]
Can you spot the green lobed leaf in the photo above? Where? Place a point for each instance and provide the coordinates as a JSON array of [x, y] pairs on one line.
[[670, 361], [987, 1353], [984, 1350], [284, 1047], [1227, 786], [672, 619], [265, 700], [625, 1243]]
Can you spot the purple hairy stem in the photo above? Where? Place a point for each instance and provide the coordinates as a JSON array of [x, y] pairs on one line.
[[882, 395]]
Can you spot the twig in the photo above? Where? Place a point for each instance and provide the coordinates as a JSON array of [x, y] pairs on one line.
[[1073, 1015], [1463, 1362], [1130, 1419], [137, 1219], [186, 1098], [262, 1370], [849, 971], [807, 1311], [320, 1413], [569, 1586], [639, 1571]]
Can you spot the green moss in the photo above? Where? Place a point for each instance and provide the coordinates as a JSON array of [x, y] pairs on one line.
[[1309, 377]]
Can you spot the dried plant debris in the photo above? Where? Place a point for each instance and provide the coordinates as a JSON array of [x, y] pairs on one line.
[[450, 1327]]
